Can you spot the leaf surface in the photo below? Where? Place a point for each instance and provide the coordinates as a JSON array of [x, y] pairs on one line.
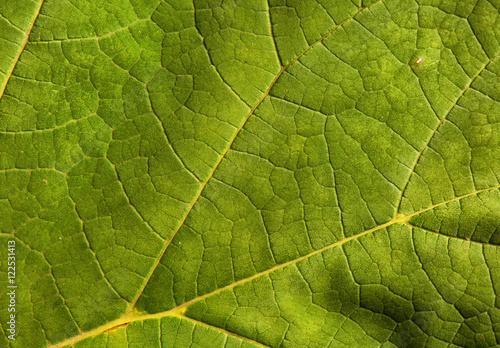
[[251, 173]]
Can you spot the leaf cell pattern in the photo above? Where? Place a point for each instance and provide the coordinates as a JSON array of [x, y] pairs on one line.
[[251, 173]]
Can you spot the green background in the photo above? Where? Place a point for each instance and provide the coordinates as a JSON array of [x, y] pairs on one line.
[[276, 173]]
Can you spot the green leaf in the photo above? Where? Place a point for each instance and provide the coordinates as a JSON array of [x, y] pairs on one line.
[[251, 173]]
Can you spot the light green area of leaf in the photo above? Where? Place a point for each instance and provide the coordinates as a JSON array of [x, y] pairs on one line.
[[15, 23], [251, 173], [166, 332]]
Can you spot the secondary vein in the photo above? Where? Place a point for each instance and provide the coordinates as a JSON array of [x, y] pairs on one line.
[[21, 49], [412, 171], [180, 310], [222, 155]]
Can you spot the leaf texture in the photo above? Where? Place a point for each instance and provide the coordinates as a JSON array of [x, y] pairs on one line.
[[251, 173]]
